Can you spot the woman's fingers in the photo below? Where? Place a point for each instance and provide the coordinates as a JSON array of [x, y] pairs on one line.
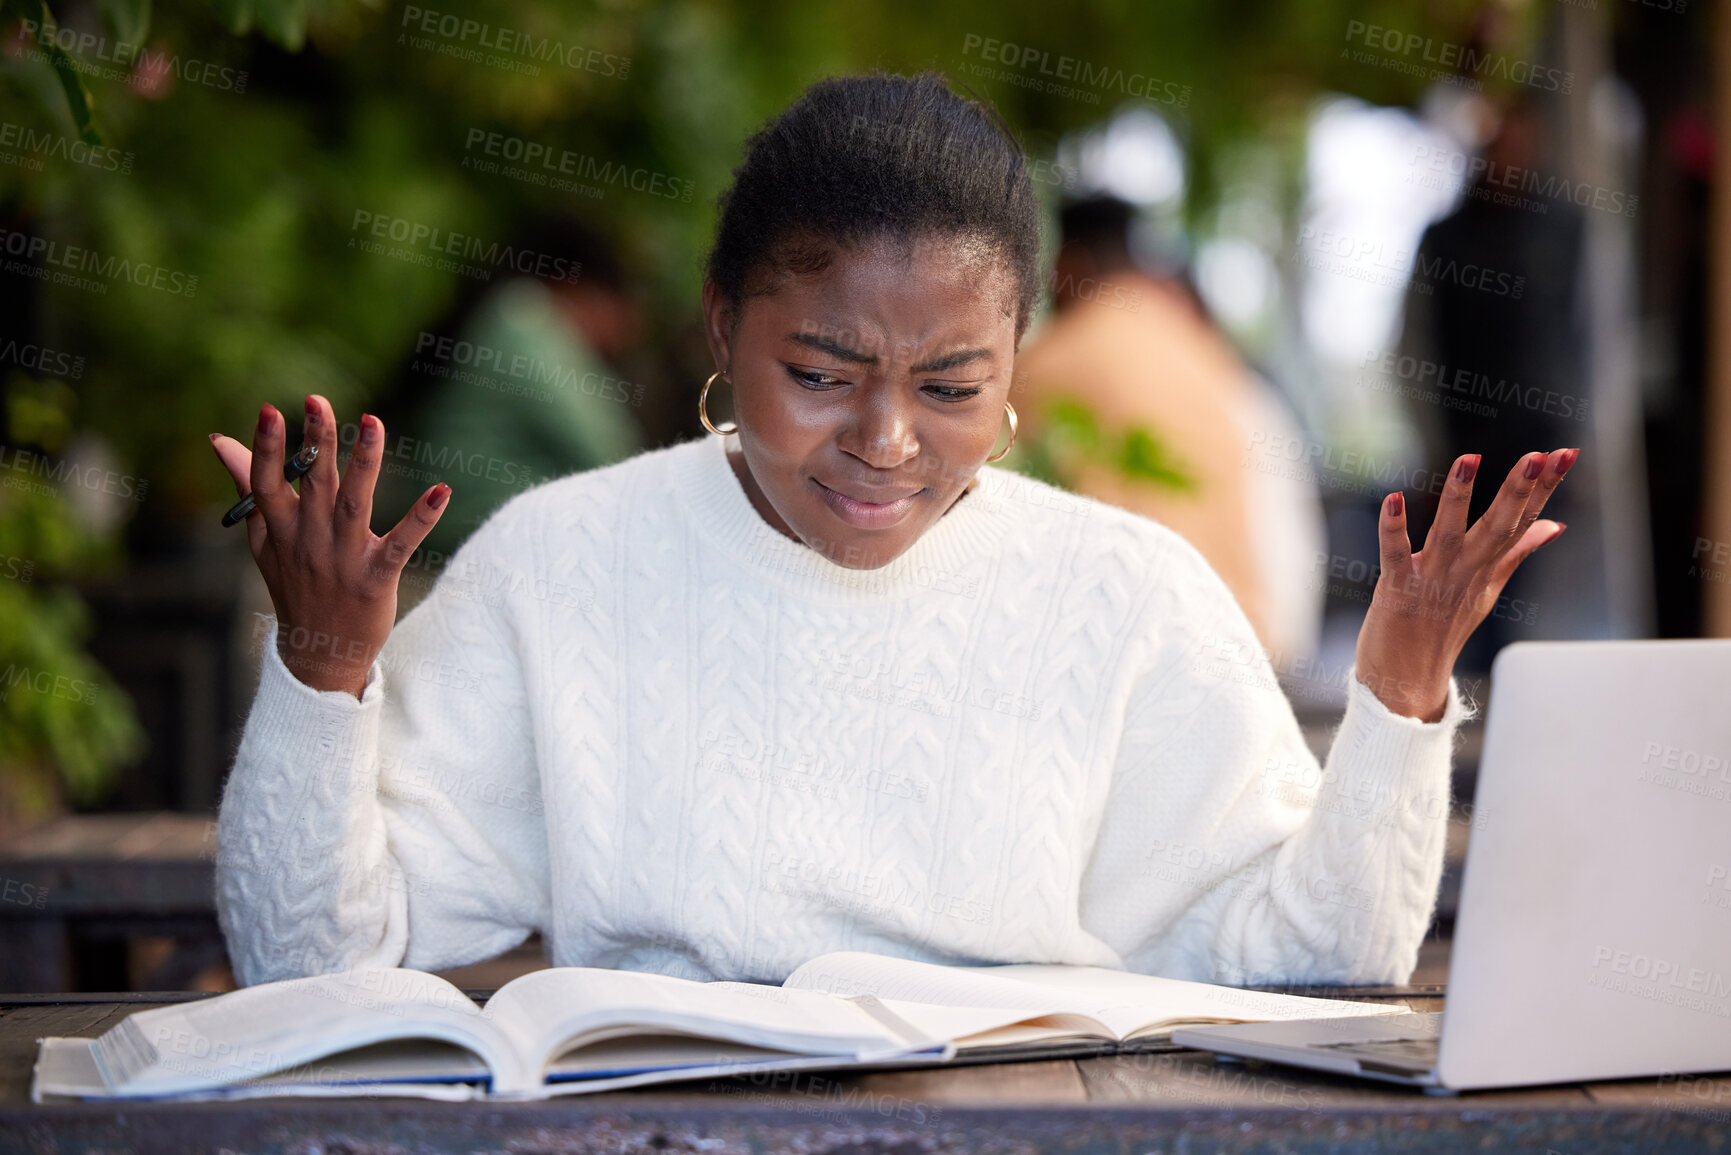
[[354, 504], [1518, 504], [277, 502], [1557, 463], [319, 486], [237, 459], [1395, 545], [1448, 530], [1539, 534], [393, 550]]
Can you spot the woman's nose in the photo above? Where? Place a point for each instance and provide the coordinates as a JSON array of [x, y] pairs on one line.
[[882, 433]]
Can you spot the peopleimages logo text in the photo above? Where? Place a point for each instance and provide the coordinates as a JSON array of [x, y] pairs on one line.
[[1371, 259], [1040, 62], [1427, 374], [72, 260], [1482, 178], [89, 53], [552, 161], [463, 247], [461, 30], [1464, 58], [45, 142]]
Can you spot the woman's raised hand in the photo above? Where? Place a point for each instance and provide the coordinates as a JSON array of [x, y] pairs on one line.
[[332, 580], [1428, 603]]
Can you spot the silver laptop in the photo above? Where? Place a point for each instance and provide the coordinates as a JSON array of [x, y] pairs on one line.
[[1593, 939]]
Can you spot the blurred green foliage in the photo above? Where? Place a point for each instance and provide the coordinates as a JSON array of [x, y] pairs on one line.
[[239, 139], [1071, 435], [64, 725], [252, 184]]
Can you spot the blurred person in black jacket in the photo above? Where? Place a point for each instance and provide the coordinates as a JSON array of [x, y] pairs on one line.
[[1496, 321]]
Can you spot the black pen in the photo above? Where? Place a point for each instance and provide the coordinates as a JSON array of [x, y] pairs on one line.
[[292, 470]]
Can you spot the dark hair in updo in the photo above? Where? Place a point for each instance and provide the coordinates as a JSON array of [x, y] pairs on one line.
[[868, 156]]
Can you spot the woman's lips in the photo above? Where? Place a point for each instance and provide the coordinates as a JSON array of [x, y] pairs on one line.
[[867, 514]]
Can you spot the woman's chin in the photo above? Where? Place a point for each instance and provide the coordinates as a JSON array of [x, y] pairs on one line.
[[852, 548]]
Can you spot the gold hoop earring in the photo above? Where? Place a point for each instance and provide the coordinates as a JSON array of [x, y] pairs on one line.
[[703, 409], [1010, 412]]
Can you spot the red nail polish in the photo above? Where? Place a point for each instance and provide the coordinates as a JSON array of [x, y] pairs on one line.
[[1467, 469], [1567, 461], [437, 498], [1396, 504], [1535, 467]]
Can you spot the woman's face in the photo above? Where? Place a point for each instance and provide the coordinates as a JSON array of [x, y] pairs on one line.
[[868, 394]]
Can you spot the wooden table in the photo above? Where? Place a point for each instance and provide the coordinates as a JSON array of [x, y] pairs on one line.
[[1175, 1101]]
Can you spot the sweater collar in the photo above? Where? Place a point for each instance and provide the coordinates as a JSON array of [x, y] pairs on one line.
[[952, 556]]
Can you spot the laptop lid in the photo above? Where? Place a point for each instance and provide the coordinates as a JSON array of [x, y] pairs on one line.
[[1594, 934]]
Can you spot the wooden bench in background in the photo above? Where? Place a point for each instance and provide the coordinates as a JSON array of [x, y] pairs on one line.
[[115, 902]]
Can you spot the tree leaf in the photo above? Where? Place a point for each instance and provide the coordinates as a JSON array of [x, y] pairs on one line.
[[235, 14], [1142, 457], [1070, 419], [129, 20], [284, 21], [79, 103]]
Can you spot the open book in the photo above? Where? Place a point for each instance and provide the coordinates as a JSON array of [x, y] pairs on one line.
[[569, 1030]]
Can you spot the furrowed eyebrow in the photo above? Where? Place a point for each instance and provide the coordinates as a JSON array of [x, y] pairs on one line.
[[833, 348], [950, 360], [836, 349]]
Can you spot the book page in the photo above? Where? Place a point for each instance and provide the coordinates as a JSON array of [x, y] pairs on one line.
[[1123, 1003], [272, 1027], [66, 1072], [900, 981], [559, 1009], [1179, 1000], [975, 1026], [639, 1052], [392, 1061]]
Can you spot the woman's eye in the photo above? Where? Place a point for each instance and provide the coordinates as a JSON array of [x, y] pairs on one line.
[[953, 392], [813, 380]]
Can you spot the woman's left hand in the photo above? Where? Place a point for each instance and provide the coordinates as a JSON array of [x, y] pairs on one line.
[[1428, 603]]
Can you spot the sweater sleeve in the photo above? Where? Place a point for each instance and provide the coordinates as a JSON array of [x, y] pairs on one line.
[[1225, 853], [403, 828]]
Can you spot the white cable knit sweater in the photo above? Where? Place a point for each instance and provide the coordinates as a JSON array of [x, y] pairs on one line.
[[634, 717]]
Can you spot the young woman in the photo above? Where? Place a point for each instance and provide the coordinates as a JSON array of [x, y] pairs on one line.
[[830, 680]]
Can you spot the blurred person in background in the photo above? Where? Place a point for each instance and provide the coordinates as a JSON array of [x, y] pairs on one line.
[[1495, 313], [526, 389], [1140, 352]]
